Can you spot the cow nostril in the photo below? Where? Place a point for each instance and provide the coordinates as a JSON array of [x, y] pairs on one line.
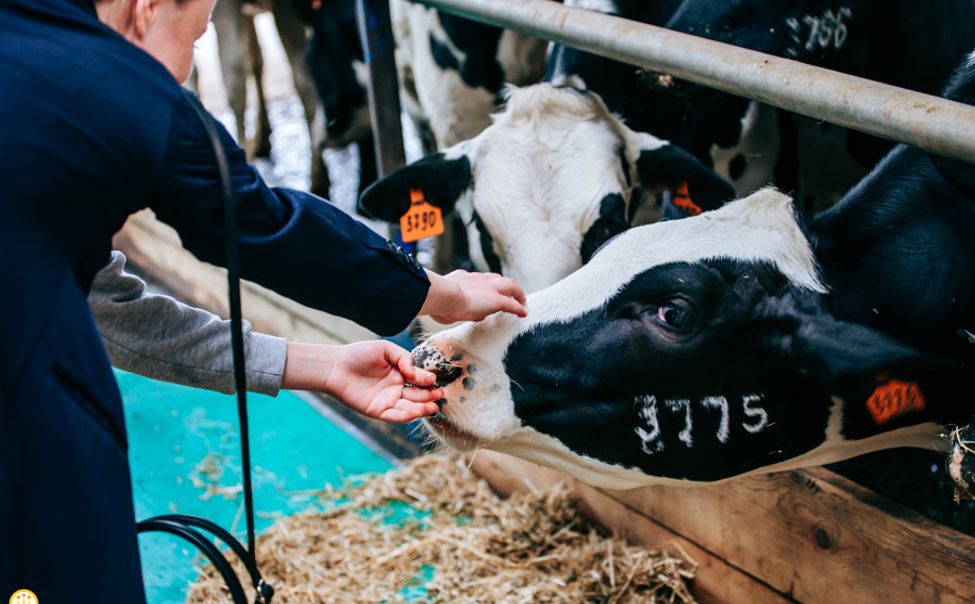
[[447, 373]]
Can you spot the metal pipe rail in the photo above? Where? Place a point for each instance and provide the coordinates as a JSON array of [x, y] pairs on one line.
[[922, 120]]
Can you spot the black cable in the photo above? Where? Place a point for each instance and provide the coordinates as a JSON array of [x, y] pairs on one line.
[[236, 325], [220, 533], [161, 525], [181, 524]]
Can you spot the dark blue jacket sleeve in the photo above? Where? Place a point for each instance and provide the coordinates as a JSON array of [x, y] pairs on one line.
[[293, 242]]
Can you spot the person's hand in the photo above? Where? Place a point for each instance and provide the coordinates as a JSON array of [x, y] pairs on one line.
[[375, 378], [464, 296]]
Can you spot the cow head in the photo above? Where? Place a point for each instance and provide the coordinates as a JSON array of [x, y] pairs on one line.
[[553, 178], [335, 59], [686, 350]]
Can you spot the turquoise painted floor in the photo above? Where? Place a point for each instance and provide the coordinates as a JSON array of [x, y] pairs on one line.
[[185, 457]]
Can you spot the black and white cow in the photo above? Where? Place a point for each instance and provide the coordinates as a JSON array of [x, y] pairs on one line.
[[554, 177], [451, 70], [336, 60], [904, 43], [743, 340]]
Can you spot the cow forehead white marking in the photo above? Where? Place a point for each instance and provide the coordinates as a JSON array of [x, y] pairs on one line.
[[761, 227]]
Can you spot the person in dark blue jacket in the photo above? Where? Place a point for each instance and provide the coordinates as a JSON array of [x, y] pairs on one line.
[[93, 127]]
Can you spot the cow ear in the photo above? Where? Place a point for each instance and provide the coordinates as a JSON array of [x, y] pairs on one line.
[[692, 187], [960, 174], [441, 177], [798, 331]]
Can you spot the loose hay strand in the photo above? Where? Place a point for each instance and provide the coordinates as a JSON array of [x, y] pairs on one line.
[[532, 547]]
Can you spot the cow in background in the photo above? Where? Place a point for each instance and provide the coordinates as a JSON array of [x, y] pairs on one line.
[[452, 70], [904, 43], [456, 66], [745, 340], [240, 58], [554, 177], [451, 76]]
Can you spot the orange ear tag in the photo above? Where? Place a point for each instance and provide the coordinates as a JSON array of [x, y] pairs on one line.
[[682, 199], [894, 398], [422, 220]]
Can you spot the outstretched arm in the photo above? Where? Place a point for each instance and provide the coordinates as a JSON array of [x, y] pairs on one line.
[[375, 378], [159, 337], [300, 245]]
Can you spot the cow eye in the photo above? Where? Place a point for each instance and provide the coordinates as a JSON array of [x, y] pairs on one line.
[[676, 315]]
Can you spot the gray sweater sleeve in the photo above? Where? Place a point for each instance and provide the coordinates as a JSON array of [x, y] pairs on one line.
[[159, 337]]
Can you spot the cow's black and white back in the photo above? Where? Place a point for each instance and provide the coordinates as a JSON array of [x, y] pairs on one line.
[[903, 43]]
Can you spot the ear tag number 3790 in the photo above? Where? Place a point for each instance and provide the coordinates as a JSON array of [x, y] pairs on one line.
[[421, 220]]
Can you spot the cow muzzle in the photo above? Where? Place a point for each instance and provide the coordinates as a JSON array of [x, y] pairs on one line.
[[476, 407], [435, 361]]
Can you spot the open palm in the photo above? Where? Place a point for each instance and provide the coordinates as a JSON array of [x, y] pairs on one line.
[[378, 379]]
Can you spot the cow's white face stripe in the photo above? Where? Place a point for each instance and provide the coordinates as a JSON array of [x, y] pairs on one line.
[[540, 172], [761, 227]]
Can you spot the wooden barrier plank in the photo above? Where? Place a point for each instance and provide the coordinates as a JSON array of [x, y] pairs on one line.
[[715, 581], [814, 536], [807, 535]]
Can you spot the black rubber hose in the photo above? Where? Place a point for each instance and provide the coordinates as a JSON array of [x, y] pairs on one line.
[[210, 550]]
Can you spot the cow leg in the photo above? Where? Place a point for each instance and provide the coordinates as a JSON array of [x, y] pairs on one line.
[[261, 144], [291, 30], [229, 23]]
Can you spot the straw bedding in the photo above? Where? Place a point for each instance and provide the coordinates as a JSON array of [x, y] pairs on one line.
[[382, 538]]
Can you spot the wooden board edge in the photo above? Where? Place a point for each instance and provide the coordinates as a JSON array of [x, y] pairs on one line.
[[820, 534]]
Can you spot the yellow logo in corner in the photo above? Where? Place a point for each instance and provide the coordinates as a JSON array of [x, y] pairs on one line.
[[23, 596]]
